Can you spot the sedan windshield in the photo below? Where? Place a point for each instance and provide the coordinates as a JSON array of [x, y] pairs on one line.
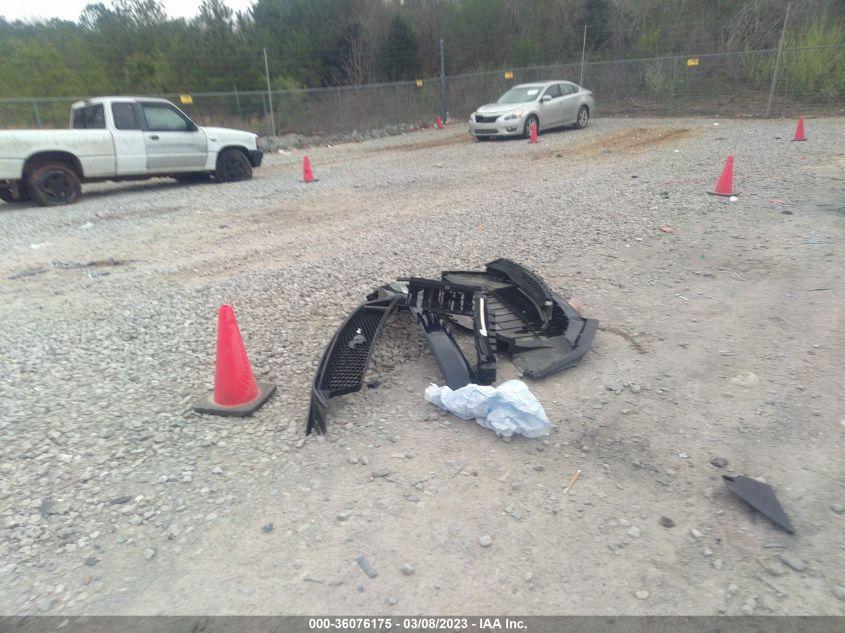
[[520, 94]]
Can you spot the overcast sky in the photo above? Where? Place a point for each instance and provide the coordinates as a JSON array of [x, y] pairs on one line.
[[70, 9]]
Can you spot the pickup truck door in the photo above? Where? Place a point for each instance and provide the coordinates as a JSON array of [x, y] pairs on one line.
[[172, 141], [128, 135]]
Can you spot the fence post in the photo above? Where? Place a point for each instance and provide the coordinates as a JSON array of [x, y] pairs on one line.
[[339, 111], [36, 113], [583, 52], [269, 94], [777, 63], [442, 83], [672, 93], [238, 103]]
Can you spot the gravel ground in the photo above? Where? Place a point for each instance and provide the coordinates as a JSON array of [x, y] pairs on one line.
[[116, 499]]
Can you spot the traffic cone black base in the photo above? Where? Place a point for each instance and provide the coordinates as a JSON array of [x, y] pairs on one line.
[[208, 406]]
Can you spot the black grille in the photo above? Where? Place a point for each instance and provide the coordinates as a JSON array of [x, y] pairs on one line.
[[351, 352], [485, 119]]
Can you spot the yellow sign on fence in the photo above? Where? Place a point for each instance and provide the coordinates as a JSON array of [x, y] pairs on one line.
[[186, 99], [692, 61], [419, 83], [509, 75]]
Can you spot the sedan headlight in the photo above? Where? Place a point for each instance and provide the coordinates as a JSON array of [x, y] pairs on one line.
[[513, 116], [472, 117]]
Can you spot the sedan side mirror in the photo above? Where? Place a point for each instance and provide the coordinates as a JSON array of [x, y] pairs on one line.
[[545, 98]]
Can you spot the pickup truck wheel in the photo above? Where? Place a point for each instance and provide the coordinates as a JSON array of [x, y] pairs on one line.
[[233, 166], [52, 184]]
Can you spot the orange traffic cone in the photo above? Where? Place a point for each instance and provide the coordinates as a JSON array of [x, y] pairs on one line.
[[439, 123], [799, 131], [307, 174], [534, 137], [235, 391], [724, 186]]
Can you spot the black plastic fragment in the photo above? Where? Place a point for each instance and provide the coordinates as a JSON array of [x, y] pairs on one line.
[[485, 341], [761, 497], [452, 362], [542, 332], [346, 358]]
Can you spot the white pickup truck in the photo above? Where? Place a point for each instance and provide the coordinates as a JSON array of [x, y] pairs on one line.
[[119, 138]]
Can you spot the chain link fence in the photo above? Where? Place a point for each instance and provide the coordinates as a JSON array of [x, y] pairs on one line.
[[810, 81]]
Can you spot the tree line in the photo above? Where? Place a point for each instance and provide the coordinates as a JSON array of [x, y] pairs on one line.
[[133, 46]]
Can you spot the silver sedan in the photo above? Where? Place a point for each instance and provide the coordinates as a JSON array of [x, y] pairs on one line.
[[549, 104]]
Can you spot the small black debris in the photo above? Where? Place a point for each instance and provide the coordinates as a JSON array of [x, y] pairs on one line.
[[666, 522], [267, 528], [91, 561], [374, 384], [120, 500], [368, 569], [719, 462], [761, 497]]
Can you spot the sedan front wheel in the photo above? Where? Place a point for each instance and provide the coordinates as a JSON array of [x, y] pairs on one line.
[[526, 131]]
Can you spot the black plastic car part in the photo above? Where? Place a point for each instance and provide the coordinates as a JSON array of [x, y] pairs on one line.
[[454, 301], [507, 307], [761, 497], [346, 358], [542, 332], [485, 341], [453, 364]]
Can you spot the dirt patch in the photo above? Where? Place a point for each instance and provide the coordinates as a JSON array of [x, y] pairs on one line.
[[637, 139], [429, 144], [628, 337]]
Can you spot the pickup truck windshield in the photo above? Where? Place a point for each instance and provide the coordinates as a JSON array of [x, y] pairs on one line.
[[89, 118]]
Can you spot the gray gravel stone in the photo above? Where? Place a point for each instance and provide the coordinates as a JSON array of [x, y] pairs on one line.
[[45, 604], [838, 591], [392, 600], [149, 553], [772, 567], [408, 569], [838, 508], [793, 561], [485, 541], [368, 569]]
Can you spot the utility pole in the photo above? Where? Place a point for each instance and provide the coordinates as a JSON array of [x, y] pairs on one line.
[[442, 84], [583, 51], [269, 93], [777, 63]]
